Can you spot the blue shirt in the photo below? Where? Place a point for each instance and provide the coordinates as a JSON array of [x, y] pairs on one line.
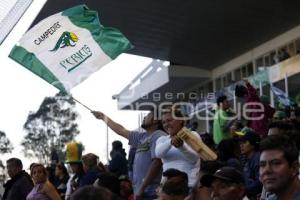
[[274, 197], [251, 175], [145, 153], [88, 178]]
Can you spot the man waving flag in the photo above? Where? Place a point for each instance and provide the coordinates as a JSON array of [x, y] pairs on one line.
[[67, 47]]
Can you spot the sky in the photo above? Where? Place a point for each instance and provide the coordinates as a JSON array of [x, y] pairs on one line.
[[22, 92]]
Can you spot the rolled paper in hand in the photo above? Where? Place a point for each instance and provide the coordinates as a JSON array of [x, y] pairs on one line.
[[196, 144]]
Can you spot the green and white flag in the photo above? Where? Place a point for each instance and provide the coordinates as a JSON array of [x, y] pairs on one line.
[[67, 47]]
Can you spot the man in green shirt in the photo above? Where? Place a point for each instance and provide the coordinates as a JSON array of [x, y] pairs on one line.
[[222, 120]]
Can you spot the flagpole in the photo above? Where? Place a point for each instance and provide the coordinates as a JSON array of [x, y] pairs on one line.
[[81, 104], [272, 102], [107, 145], [206, 116], [260, 89], [286, 85]]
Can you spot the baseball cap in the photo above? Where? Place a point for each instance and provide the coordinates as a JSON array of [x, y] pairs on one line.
[[279, 115], [252, 137], [243, 131], [124, 178], [227, 174]]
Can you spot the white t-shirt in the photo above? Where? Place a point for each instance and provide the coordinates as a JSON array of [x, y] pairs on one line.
[[184, 158]]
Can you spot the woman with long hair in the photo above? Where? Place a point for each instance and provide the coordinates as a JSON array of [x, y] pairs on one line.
[[43, 189], [61, 179]]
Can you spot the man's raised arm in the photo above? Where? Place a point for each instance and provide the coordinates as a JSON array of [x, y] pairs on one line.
[[118, 128]]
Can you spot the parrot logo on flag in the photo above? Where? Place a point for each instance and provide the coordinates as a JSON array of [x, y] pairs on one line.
[[65, 40]]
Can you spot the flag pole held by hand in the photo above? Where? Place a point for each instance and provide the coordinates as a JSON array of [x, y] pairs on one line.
[[81, 103]]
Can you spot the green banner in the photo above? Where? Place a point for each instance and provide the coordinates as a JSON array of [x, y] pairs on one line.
[[261, 76]]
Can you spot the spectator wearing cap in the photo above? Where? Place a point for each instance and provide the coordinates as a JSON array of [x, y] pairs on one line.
[[249, 146], [243, 131], [279, 167], [222, 124], [170, 173], [279, 116], [236, 126], [226, 183], [118, 162], [90, 167], [74, 159], [239, 134]]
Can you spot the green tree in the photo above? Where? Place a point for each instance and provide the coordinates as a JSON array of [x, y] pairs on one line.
[[49, 128], [5, 147], [5, 144]]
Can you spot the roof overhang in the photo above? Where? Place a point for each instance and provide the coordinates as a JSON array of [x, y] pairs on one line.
[[201, 33], [160, 84]]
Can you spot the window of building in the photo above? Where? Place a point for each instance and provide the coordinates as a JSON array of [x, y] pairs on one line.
[[224, 80], [237, 74], [229, 78], [218, 84], [283, 54], [273, 57], [291, 48], [244, 71], [267, 60], [210, 87], [250, 69], [259, 62], [297, 42]]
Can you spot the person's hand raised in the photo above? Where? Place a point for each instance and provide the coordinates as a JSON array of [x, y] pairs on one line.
[[98, 115]]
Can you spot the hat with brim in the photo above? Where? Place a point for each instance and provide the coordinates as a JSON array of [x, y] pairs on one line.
[[239, 133], [252, 137], [279, 115], [226, 174], [243, 131]]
